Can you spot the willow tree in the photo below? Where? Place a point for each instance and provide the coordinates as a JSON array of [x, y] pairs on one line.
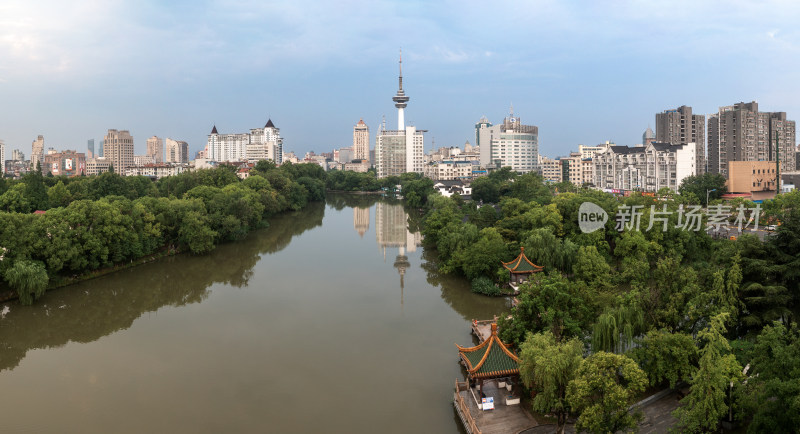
[[547, 366], [718, 370], [616, 328], [28, 278]]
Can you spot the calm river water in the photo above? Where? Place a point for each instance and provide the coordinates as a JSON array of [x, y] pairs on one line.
[[334, 319]]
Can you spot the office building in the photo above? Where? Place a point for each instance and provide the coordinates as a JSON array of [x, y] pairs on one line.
[[118, 149], [96, 166], [155, 149], [2, 157], [742, 133], [361, 141], [90, 148], [510, 144], [678, 127]]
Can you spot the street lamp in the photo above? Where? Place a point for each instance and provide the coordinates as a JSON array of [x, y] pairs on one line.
[[707, 192]]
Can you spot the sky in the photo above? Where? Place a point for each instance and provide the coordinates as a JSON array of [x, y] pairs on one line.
[[582, 71]]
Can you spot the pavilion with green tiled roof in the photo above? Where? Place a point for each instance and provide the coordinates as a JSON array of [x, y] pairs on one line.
[[490, 359], [521, 267]]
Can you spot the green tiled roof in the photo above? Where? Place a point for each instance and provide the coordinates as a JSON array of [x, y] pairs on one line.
[[490, 359]]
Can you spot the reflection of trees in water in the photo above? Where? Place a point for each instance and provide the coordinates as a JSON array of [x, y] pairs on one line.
[[457, 293], [340, 201], [90, 310]]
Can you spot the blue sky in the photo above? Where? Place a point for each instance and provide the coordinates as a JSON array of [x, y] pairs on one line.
[[583, 72]]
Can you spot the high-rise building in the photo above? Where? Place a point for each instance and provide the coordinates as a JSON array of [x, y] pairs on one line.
[[37, 152], [155, 149], [399, 151], [177, 151], [90, 148], [17, 155], [361, 141], [742, 133], [2, 158], [100, 150], [118, 149], [510, 144], [679, 127]]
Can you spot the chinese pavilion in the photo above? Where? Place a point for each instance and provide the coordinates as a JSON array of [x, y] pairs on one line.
[[521, 267], [489, 360]]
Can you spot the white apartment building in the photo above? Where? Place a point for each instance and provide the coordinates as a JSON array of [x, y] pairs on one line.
[[644, 168], [259, 143]]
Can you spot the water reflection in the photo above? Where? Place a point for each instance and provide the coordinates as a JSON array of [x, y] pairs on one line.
[[90, 310]]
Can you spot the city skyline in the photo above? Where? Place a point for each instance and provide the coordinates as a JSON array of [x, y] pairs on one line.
[[582, 72]]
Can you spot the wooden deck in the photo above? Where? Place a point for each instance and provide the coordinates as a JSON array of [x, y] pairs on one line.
[[502, 419], [483, 328]]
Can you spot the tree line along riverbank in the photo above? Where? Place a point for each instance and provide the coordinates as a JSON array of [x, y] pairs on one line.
[[54, 231]]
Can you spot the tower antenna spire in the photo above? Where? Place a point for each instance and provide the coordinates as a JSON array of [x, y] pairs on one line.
[[401, 69], [400, 99]]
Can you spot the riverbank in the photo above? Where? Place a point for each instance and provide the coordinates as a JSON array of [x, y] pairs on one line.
[[362, 192], [7, 294]]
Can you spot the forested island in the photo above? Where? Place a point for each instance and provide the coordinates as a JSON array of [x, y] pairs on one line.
[[615, 312]]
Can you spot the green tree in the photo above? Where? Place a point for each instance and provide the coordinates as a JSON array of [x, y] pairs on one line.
[[196, 234], [705, 404], [591, 268], [547, 366], [28, 278], [700, 185], [772, 392], [36, 191], [486, 190], [604, 387], [666, 356], [484, 257], [548, 303], [58, 195]]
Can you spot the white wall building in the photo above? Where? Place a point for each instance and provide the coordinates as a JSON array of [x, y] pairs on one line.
[[644, 168], [259, 143]]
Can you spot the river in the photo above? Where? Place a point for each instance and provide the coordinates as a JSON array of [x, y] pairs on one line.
[[333, 319]]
